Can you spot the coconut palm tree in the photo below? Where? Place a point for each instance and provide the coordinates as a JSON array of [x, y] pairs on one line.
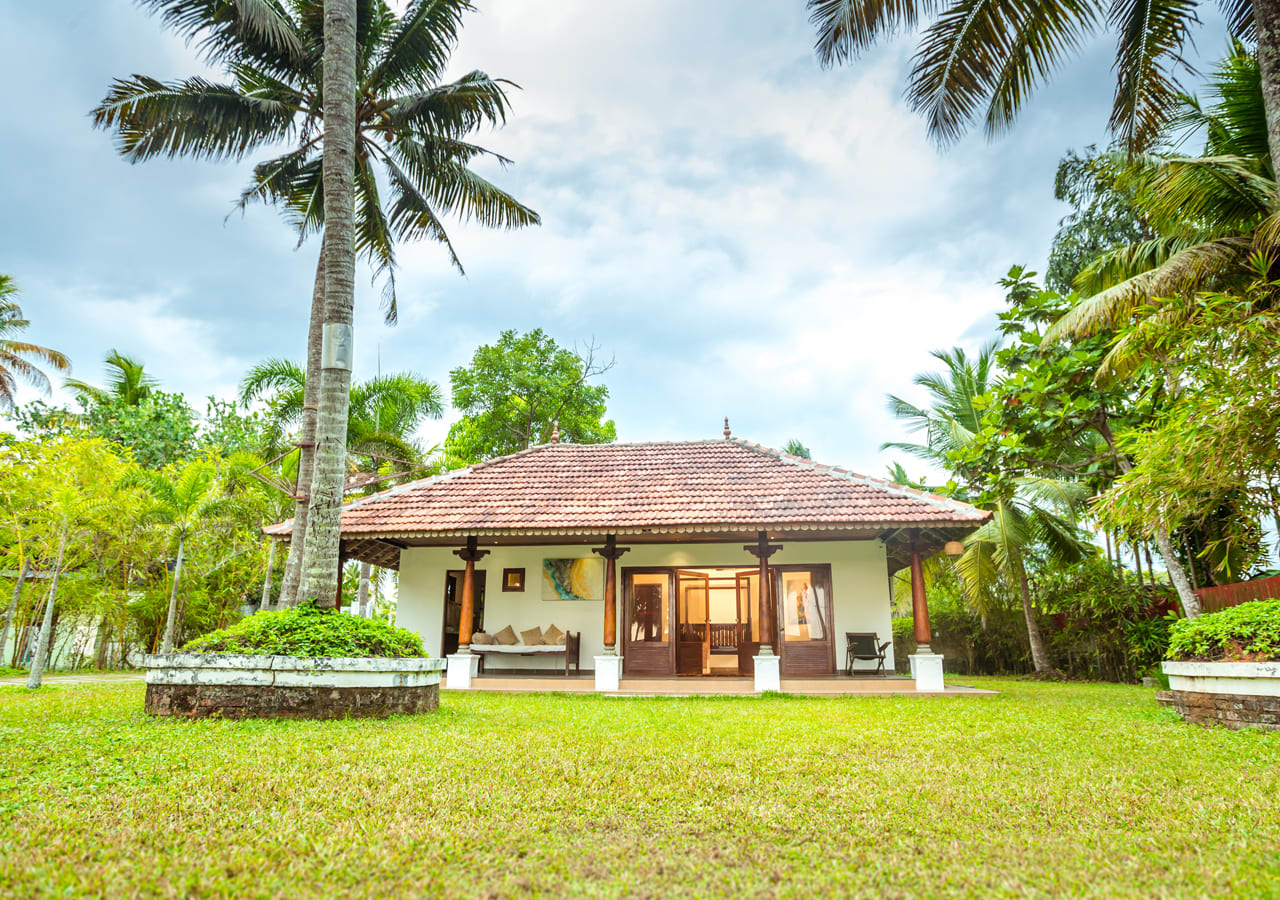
[[411, 129], [126, 382], [15, 354], [384, 414], [1216, 217], [1039, 512], [982, 60]]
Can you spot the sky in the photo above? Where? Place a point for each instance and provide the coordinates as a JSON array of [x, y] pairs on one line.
[[743, 233]]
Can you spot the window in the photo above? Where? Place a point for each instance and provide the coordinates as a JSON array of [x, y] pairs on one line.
[[650, 606]]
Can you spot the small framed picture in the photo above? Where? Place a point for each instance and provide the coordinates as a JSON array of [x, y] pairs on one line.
[[513, 579]]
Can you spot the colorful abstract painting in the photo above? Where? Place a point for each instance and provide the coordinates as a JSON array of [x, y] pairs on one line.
[[573, 579]]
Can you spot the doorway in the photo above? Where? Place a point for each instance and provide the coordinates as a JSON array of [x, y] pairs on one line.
[[453, 608], [717, 630]]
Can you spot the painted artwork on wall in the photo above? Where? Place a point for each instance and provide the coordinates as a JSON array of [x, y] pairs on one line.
[[573, 579]]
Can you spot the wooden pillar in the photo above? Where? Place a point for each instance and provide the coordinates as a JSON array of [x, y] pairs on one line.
[[919, 606], [470, 555], [762, 550], [337, 600], [611, 553]]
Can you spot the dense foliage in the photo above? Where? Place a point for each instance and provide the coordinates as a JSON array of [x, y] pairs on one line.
[[520, 390], [1250, 631], [307, 631]]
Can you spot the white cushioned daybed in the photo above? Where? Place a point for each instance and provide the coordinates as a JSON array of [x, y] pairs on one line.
[[485, 645]]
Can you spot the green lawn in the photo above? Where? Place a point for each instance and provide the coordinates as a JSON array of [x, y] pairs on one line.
[[1047, 789]]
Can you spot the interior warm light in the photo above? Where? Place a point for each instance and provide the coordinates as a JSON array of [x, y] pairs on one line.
[[953, 548]]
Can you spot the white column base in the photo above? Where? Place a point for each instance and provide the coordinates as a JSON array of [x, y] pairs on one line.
[[926, 669], [608, 673], [462, 667], [768, 673]]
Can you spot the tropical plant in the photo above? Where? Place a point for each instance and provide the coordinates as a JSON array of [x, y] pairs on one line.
[[1214, 218], [409, 122], [1250, 631], [307, 631], [15, 354], [384, 415], [522, 390], [127, 382], [180, 502], [983, 60], [795, 448]]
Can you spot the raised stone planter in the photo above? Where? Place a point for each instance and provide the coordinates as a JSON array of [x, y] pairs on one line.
[[1234, 694], [289, 687]]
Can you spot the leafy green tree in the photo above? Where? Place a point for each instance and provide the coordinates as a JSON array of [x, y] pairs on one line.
[[127, 383], [181, 501], [409, 122], [16, 355], [984, 60], [520, 390], [1048, 418], [1026, 511], [1102, 217]]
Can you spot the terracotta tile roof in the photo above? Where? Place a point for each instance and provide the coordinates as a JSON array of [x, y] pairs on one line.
[[716, 485]]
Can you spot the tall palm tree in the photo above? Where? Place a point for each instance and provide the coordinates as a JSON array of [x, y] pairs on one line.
[[1038, 512], [409, 123], [1216, 216], [384, 415], [126, 382], [180, 503], [15, 354], [982, 59]]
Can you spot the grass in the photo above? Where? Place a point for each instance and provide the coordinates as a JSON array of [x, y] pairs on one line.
[[1047, 789]]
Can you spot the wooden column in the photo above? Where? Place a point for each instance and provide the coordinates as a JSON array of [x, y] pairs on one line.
[[919, 607], [762, 550], [611, 553], [470, 555]]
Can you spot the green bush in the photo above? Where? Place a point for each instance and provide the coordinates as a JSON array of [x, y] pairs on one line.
[[1250, 631], [307, 631]]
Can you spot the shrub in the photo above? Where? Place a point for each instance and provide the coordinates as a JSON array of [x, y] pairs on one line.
[[307, 631], [1250, 631]]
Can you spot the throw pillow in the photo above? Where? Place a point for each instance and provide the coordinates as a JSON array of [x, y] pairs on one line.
[[481, 638], [506, 636], [553, 636], [532, 637]]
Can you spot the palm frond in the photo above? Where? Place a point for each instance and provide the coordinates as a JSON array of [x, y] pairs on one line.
[[414, 52], [847, 27], [1149, 58]]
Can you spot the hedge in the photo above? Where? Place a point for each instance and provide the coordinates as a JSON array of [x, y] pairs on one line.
[[1250, 632], [307, 631]]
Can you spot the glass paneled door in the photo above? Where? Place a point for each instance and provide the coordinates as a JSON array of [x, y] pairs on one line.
[[647, 647], [804, 619]]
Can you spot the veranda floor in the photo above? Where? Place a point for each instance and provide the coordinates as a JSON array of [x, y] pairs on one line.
[[713, 685]]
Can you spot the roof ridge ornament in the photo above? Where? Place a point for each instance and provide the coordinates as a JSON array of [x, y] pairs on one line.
[[555, 432], [727, 433]]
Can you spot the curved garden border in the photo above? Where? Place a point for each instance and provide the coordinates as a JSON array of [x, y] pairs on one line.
[[1234, 694], [199, 685]]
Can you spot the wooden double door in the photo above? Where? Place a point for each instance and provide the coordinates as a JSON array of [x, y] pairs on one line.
[[705, 621]]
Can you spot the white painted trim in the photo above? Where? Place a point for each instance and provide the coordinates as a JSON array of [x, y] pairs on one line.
[[291, 671], [1255, 679]]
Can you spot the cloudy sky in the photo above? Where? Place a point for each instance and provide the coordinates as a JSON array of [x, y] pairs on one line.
[[746, 234]]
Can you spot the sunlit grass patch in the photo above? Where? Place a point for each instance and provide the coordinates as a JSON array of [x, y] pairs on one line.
[[1045, 788]]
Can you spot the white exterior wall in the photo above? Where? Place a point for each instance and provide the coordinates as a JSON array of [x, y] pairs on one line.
[[859, 584]]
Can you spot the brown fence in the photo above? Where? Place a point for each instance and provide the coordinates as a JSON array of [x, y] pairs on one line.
[[1213, 599]]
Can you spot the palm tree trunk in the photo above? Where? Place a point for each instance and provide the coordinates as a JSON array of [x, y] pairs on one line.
[[13, 605], [306, 439], [319, 579], [1266, 16], [1039, 655], [1190, 603], [46, 627], [265, 604], [171, 620], [362, 596]]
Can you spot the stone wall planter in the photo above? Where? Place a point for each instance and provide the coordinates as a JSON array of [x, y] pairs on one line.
[[198, 685], [1234, 694]]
